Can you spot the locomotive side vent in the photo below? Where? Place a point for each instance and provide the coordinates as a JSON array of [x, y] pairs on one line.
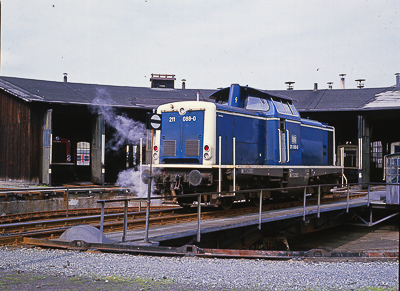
[[192, 147], [169, 148]]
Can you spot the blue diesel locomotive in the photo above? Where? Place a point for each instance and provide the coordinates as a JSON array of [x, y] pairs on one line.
[[245, 139]]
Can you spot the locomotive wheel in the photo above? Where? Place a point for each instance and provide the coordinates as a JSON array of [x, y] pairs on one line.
[[226, 203]]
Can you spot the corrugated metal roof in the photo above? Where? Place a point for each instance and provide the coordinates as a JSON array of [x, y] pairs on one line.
[[31, 90], [345, 99]]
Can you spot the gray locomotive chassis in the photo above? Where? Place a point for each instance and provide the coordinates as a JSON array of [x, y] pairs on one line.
[[297, 175], [272, 171]]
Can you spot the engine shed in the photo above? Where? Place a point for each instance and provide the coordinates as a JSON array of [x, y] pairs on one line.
[[58, 132], [366, 124], [61, 132]]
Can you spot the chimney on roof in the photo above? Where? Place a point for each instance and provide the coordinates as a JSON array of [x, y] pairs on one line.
[[65, 77], [289, 85], [330, 85], [360, 83], [342, 81], [315, 86], [162, 81], [183, 84], [397, 79]]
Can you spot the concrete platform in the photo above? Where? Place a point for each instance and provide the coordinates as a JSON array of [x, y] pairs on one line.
[[173, 231]]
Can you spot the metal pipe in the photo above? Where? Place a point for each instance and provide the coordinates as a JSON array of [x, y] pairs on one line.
[[259, 215], [146, 237], [234, 164], [383, 219], [198, 217], [348, 195], [280, 145], [219, 168], [368, 196], [334, 149], [287, 146], [140, 205], [370, 217], [125, 221], [304, 203], [319, 201], [67, 200], [102, 221], [140, 164]]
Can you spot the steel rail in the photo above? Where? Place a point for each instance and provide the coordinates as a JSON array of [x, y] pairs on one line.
[[52, 214], [68, 222]]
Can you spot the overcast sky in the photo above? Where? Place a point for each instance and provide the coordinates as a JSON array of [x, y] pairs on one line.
[[211, 44]]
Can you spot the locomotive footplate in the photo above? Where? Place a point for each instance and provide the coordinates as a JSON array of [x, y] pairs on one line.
[[272, 172], [193, 177]]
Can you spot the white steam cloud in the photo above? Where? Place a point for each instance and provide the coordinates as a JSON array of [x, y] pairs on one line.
[[127, 131], [131, 179]]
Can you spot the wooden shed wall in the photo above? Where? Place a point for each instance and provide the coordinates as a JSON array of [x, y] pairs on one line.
[[20, 142]]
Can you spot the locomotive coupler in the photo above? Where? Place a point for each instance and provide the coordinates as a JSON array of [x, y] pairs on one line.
[[175, 186], [177, 182]]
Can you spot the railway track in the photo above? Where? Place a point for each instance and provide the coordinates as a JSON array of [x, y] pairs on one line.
[[53, 214], [13, 233], [39, 193]]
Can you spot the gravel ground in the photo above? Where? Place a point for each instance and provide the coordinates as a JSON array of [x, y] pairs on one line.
[[42, 269]]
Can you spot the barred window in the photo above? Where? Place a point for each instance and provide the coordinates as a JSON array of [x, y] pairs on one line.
[[376, 153]]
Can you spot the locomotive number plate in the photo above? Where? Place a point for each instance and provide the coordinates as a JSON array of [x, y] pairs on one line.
[[189, 118]]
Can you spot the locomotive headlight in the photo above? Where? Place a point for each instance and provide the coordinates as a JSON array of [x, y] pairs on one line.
[[155, 156], [207, 155]]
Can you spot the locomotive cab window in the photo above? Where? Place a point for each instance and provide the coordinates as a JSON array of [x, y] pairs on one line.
[[256, 103], [285, 107], [222, 101]]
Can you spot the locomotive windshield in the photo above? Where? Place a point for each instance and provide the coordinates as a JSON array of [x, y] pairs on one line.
[[222, 101], [256, 103]]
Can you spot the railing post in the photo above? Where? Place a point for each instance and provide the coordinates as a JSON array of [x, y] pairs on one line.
[[102, 221], [219, 168], [368, 195], [140, 163], [125, 221], [140, 205], [146, 235], [198, 217], [319, 201], [370, 217], [304, 203], [259, 215], [67, 201], [348, 194], [234, 165]]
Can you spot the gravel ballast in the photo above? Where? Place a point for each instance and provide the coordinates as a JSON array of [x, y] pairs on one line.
[[110, 271]]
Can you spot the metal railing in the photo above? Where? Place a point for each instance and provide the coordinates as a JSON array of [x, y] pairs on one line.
[[228, 194], [52, 191]]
